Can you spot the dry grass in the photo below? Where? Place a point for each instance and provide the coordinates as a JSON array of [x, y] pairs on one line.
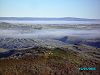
[[52, 62]]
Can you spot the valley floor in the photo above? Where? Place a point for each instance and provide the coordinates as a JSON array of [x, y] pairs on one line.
[[49, 49]]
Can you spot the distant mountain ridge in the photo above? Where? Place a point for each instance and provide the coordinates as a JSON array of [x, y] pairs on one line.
[[47, 19]]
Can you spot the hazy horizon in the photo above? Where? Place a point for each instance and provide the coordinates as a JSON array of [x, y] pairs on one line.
[[44, 17]]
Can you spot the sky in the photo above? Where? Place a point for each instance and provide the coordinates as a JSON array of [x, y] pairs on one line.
[[50, 8]]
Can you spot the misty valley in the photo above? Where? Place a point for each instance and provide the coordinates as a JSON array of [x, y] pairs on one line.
[[88, 34], [44, 45], [49, 37]]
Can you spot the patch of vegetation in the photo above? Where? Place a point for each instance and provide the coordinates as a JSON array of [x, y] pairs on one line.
[[66, 55], [57, 61]]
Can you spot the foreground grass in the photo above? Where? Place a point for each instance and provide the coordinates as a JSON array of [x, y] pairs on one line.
[[51, 62]]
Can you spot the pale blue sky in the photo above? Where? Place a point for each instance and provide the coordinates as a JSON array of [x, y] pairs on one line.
[[50, 8]]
